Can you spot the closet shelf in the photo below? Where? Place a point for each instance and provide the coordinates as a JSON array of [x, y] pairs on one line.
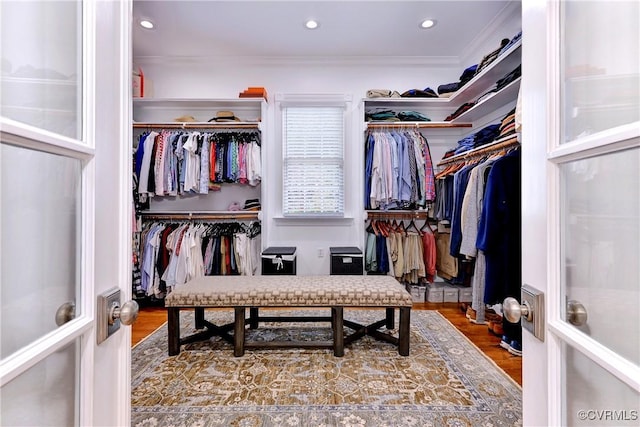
[[488, 77], [213, 215], [419, 125], [507, 94], [404, 102], [472, 90], [197, 125], [506, 142], [202, 109]]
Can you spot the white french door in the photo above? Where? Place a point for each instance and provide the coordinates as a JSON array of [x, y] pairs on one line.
[[581, 210], [64, 187]]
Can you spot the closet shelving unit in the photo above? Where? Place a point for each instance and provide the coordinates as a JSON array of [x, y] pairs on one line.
[[489, 108], [161, 113], [158, 114], [472, 90], [479, 85]]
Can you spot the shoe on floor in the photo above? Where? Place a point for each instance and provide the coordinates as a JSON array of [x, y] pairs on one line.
[[471, 315], [504, 342], [495, 327], [515, 348], [492, 316]]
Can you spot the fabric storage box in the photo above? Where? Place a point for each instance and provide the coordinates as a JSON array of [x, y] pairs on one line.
[[450, 294], [418, 293], [464, 294], [346, 260], [435, 292], [279, 260]]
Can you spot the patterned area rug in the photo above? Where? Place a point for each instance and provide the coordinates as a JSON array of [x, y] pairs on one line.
[[446, 380]]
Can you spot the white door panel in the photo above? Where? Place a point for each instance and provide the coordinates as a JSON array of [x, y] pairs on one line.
[[64, 212], [42, 48], [601, 225], [581, 210], [40, 227], [50, 401]]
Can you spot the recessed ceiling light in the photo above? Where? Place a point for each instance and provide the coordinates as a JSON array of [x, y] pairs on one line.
[[427, 23], [145, 23], [311, 24]]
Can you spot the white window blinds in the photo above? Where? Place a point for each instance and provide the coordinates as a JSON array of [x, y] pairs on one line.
[[313, 178]]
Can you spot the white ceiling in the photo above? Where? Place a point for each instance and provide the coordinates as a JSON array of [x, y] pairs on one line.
[[239, 28]]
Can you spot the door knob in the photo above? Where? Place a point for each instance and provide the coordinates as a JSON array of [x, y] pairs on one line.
[[65, 312], [513, 310], [111, 313], [127, 314], [530, 312], [576, 313]]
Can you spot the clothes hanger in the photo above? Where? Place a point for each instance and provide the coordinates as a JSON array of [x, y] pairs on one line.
[[374, 226], [426, 225], [412, 224], [370, 228]]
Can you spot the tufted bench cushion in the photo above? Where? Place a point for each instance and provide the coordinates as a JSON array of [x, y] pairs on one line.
[[290, 291], [255, 292]]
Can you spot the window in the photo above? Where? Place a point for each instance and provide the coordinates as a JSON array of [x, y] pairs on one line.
[[313, 160]]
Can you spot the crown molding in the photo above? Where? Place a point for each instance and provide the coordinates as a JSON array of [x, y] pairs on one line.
[[379, 61], [505, 15]]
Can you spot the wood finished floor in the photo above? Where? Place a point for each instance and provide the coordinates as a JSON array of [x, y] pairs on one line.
[[150, 318]]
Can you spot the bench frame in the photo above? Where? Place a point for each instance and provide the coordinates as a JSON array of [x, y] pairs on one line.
[[239, 341]]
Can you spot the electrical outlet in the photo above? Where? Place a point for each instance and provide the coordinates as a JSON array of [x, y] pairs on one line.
[[320, 252]]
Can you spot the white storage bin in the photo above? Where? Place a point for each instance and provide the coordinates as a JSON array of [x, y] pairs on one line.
[[465, 294], [417, 292], [450, 294], [435, 292]]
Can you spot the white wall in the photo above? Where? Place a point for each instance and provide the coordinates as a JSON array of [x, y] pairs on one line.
[[228, 77]]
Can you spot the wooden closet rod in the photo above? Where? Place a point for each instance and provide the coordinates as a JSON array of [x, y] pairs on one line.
[[417, 125], [510, 141], [207, 125], [402, 214], [213, 215]]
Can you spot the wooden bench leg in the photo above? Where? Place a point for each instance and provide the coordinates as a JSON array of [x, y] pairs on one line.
[[173, 328], [337, 324], [390, 318], [199, 317], [253, 317], [404, 331], [238, 332]]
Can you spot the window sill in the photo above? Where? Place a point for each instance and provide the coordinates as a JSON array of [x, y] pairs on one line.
[[317, 220]]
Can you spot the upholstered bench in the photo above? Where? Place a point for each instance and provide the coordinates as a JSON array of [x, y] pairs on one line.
[[255, 292]]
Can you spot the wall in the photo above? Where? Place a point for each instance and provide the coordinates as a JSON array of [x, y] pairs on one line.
[[225, 79]]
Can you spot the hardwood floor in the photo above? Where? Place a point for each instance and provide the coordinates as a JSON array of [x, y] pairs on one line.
[[151, 318]]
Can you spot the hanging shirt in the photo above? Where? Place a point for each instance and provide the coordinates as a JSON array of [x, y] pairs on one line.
[[143, 183], [203, 181]]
